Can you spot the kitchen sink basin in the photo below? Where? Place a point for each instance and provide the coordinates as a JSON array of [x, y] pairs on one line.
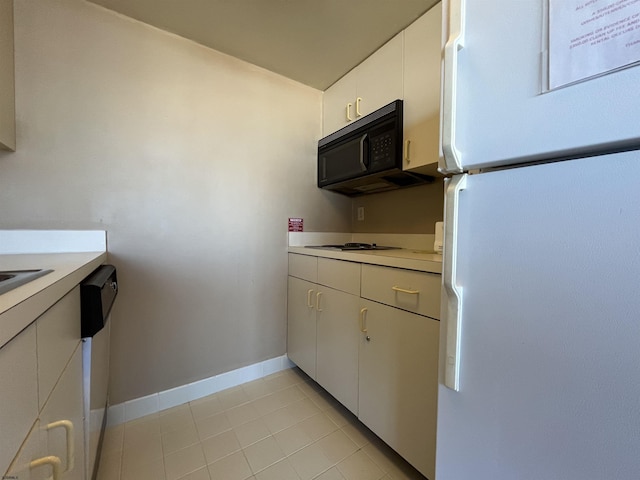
[[10, 279]]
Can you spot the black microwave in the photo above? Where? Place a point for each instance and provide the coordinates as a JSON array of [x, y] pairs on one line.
[[366, 155]]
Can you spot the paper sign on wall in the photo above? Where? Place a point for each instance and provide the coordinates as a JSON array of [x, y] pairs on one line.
[[588, 38], [296, 225]]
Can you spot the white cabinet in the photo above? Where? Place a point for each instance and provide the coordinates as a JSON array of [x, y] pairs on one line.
[[58, 331], [337, 345], [301, 325], [322, 333], [398, 381], [422, 63], [374, 83], [32, 448], [18, 393], [45, 395], [369, 335], [7, 78], [62, 420], [410, 290], [408, 67]]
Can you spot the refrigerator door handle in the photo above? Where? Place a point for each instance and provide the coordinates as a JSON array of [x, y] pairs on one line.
[[450, 162], [452, 292]]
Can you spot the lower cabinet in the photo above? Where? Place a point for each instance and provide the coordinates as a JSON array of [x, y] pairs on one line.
[[322, 330], [301, 328], [54, 446], [371, 351], [337, 333], [62, 420], [18, 393], [398, 381]]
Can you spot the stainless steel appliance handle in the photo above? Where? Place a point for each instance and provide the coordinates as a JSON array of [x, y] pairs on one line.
[[450, 162], [363, 161], [452, 292]]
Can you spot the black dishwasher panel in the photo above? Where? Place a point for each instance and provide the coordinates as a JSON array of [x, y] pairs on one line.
[[97, 292]]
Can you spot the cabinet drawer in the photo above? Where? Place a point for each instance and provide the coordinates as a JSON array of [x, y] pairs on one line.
[[303, 266], [338, 274], [417, 292]]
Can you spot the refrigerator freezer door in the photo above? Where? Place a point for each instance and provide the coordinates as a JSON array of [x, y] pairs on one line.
[[548, 258], [494, 110]]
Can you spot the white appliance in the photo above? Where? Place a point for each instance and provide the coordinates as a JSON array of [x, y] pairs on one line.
[[540, 332]]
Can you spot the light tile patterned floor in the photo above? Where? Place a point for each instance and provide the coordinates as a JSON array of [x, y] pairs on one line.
[[281, 427]]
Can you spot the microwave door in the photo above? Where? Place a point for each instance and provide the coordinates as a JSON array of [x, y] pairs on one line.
[[345, 161]]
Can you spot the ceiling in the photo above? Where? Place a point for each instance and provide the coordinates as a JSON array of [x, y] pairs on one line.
[[312, 41]]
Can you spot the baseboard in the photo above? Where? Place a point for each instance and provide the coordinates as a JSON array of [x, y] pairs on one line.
[[139, 407]]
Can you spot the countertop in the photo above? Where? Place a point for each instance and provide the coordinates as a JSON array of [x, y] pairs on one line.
[[23, 305], [411, 259]]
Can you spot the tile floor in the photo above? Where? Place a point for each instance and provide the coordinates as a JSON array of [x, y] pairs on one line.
[[281, 427]]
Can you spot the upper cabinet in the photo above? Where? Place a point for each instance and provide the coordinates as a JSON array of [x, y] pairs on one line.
[[374, 83], [422, 59], [7, 81], [406, 67]]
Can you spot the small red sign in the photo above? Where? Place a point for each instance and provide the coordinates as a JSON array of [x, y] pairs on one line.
[[296, 225]]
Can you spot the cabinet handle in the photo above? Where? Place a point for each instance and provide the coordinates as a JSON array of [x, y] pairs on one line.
[[363, 320], [407, 156], [50, 460], [309, 292], [68, 427], [404, 290], [318, 295], [349, 105], [358, 100]]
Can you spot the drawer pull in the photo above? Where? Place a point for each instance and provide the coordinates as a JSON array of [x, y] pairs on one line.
[[404, 290], [318, 295], [68, 427], [363, 320], [53, 462], [309, 292]]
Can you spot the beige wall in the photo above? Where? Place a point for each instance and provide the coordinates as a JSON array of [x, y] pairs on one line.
[[191, 160], [411, 210]]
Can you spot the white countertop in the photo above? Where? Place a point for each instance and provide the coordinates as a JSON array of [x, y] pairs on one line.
[[22, 305], [415, 252], [411, 259]]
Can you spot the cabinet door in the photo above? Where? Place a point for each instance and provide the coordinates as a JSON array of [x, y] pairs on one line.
[[33, 448], [379, 77], [374, 83], [63, 415], [398, 382], [301, 324], [337, 345], [422, 58], [7, 79], [18, 393], [58, 331], [334, 104]]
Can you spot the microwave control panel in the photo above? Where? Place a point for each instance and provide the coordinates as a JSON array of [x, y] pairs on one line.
[[382, 150]]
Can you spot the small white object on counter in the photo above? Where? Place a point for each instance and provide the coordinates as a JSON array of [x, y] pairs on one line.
[[437, 244]]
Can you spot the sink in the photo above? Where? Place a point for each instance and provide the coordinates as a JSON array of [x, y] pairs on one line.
[[10, 279]]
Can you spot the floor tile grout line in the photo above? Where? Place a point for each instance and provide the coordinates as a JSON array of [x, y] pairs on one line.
[[323, 406]]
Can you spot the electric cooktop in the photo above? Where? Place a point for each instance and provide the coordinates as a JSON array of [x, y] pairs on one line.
[[353, 246]]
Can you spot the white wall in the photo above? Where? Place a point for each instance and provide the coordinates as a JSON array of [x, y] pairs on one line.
[[192, 161]]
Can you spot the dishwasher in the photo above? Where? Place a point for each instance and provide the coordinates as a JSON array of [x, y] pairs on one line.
[[97, 293]]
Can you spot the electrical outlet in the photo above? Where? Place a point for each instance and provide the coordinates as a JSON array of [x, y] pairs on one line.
[[360, 214]]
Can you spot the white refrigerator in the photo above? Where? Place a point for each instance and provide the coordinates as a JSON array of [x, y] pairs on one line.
[[540, 331]]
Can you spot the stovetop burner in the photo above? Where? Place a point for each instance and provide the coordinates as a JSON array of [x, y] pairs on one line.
[[354, 246]]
